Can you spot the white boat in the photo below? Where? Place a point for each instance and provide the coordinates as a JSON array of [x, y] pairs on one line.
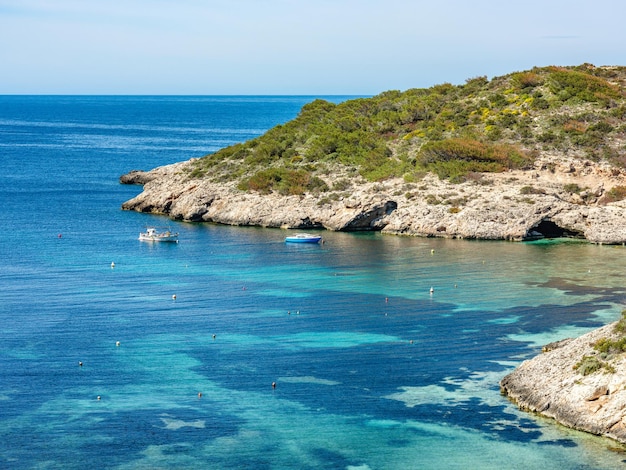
[[303, 238], [152, 235]]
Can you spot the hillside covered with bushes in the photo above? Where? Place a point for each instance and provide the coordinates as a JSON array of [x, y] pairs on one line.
[[532, 154], [452, 131]]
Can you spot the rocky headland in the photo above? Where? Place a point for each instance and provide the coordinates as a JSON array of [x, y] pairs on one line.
[[513, 205], [526, 155]]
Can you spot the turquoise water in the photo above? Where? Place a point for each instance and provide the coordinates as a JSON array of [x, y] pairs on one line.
[[372, 371]]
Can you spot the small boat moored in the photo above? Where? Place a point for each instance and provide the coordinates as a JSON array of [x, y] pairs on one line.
[[152, 235], [303, 238]]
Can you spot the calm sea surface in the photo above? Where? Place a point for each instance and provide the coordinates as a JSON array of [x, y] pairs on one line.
[[371, 370]]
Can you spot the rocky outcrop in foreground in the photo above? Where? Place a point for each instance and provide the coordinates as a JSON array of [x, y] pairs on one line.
[[549, 385], [516, 205]]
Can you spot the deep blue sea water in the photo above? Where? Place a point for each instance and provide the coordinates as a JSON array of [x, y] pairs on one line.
[[371, 370]]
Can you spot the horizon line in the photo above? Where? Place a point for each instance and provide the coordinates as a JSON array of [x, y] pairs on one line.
[[185, 94]]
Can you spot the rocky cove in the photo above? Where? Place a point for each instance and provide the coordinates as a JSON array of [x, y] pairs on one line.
[[515, 205]]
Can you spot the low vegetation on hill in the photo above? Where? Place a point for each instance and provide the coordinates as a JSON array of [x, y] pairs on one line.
[[453, 131], [607, 351]]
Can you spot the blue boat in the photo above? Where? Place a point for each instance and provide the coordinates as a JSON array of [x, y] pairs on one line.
[[303, 238]]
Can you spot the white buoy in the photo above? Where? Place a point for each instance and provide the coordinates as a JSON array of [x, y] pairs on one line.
[[117, 343], [432, 290], [112, 264], [174, 297]]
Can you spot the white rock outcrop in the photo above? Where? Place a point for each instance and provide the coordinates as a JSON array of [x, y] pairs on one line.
[[549, 385], [503, 206]]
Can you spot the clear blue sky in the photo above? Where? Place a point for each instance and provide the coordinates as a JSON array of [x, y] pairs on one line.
[[293, 46]]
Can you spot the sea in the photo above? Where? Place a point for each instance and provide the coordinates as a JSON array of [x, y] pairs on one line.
[[235, 350]]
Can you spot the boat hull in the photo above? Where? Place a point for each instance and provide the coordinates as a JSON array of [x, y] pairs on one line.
[[303, 239], [169, 239]]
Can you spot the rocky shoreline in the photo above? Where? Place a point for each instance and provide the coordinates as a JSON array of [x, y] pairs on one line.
[[549, 385], [516, 205]]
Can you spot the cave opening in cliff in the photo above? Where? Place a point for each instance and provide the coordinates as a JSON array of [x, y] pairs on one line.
[[548, 229]]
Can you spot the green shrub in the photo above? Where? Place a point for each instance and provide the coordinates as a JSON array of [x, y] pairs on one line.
[[432, 199], [603, 127], [283, 181], [526, 79], [507, 119], [567, 84], [608, 347], [605, 345], [540, 103], [342, 184], [531, 190], [572, 188], [475, 84], [324, 201], [497, 100], [493, 132], [455, 158], [547, 137], [588, 365], [620, 326]]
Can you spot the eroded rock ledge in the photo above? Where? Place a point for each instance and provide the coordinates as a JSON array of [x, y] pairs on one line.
[[516, 205], [549, 385]]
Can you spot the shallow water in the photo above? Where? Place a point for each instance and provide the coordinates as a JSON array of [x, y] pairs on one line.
[[372, 371]]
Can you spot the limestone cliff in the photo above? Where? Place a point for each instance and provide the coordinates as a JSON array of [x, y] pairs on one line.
[[515, 205]]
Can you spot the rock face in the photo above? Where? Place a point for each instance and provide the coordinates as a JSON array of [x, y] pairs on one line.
[[549, 385], [516, 205]]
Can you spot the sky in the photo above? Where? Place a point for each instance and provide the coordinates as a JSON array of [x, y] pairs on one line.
[[285, 47]]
